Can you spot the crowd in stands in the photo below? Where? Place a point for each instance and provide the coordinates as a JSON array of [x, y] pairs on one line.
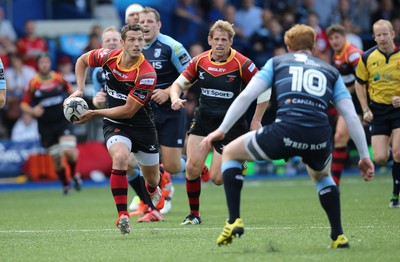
[[259, 27]]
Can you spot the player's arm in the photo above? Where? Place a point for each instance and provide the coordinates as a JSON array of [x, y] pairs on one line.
[[180, 84], [128, 110], [82, 63], [262, 105], [3, 93], [3, 86]]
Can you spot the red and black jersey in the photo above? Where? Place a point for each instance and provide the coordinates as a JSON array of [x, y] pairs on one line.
[[220, 82], [346, 62], [49, 92], [137, 82]]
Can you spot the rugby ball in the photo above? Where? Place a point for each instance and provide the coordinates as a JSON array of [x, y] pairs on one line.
[[74, 107]]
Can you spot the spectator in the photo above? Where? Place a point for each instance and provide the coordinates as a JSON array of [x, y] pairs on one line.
[[3, 86], [25, 129], [352, 36], [216, 11], [30, 45], [385, 11], [249, 18], [322, 43], [94, 42], [303, 10], [18, 75], [187, 22], [8, 37], [66, 68]]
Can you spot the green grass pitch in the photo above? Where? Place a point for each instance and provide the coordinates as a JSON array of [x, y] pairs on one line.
[[283, 222]]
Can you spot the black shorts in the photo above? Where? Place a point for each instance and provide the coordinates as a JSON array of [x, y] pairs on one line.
[[202, 126], [283, 140], [171, 127], [51, 132], [143, 139], [386, 118]]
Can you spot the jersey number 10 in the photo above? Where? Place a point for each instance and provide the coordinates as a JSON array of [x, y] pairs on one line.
[[311, 80]]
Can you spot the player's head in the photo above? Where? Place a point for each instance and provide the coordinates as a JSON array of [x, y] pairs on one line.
[[110, 38], [132, 39], [337, 37], [43, 61], [150, 19], [300, 37], [220, 38], [132, 13], [383, 34]]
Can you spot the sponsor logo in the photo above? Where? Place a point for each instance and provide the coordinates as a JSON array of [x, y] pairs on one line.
[[201, 75], [120, 74], [217, 93], [2, 74], [115, 94], [214, 69], [157, 52], [152, 148], [147, 81], [184, 59], [252, 67], [157, 65], [106, 75], [303, 146]]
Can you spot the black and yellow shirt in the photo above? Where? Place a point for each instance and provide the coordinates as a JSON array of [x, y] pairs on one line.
[[382, 73]]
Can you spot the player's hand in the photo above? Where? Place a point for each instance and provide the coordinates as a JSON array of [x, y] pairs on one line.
[[396, 101], [37, 111], [207, 143], [178, 104], [99, 101], [85, 117], [77, 93], [367, 169], [159, 96], [368, 116], [255, 125]]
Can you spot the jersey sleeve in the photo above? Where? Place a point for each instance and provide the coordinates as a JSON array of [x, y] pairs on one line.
[[361, 72], [2, 77], [190, 73], [249, 69], [266, 73], [179, 57], [98, 57], [144, 86], [340, 91]]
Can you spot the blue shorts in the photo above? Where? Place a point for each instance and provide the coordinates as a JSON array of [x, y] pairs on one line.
[[386, 118], [283, 140], [171, 127]]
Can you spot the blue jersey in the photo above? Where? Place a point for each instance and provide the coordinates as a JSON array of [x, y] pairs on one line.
[[169, 58], [304, 87], [99, 80], [2, 77]]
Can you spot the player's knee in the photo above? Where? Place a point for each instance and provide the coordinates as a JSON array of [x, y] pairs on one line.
[[396, 155], [193, 171], [217, 180], [172, 168], [120, 159], [381, 159]]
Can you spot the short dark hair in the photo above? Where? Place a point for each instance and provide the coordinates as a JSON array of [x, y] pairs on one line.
[[42, 54], [130, 27], [335, 29]]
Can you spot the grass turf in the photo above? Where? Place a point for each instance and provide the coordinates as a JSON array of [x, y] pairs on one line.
[[283, 222]]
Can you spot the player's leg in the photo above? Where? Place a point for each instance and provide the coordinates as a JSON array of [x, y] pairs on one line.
[[340, 154], [233, 155], [119, 150], [194, 165], [149, 164], [396, 168], [328, 194], [68, 146]]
